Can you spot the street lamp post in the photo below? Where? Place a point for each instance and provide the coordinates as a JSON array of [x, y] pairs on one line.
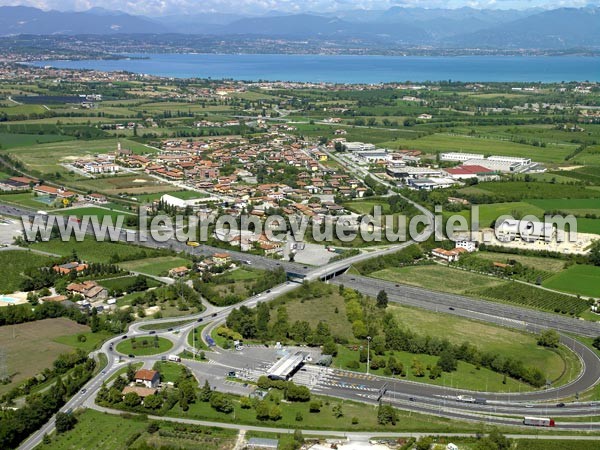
[[368, 353]]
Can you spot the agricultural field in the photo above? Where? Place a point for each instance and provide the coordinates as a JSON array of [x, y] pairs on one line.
[[12, 140], [488, 213], [31, 347], [437, 277], [124, 282], [440, 142], [15, 262], [155, 266], [125, 185], [551, 265], [520, 190], [90, 250], [577, 279]]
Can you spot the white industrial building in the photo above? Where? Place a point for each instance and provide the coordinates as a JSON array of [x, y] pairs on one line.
[[527, 231], [286, 366], [459, 156], [358, 146]]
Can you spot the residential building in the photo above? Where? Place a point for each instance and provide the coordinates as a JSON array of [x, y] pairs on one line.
[[149, 378]]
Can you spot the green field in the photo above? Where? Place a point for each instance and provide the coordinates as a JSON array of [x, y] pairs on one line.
[[169, 371], [488, 337], [95, 211], [86, 341], [15, 262], [27, 199], [90, 250], [155, 266], [570, 206], [544, 264], [11, 140], [577, 279], [144, 346], [124, 282]]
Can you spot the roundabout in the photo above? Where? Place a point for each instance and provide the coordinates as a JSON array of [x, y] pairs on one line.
[[144, 346]]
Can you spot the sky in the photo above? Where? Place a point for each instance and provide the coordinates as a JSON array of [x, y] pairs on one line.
[[258, 7]]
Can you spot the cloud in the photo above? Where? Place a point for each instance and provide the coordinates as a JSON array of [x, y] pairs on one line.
[[258, 7]]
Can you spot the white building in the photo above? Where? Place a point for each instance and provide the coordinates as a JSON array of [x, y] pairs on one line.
[[511, 229], [468, 245], [460, 157], [358, 146]]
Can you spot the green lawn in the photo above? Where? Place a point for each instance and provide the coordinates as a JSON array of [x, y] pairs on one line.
[[144, 346], [466, 376], [577, 279], [87, 341], [15, 262], [366, 414], [155, 266], [123, 283], [571, 206], [169, 371]]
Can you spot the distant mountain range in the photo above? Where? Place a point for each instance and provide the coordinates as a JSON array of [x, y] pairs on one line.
[[442, 28]]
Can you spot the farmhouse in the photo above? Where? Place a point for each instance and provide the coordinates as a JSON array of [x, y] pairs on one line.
[[90, 290], [67, 268], [447, 255], [149, 378]]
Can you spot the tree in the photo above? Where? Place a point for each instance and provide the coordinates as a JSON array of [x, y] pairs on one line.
[[330, 348], [447, 361], [424, 443], [275, 413], [262, 410], [132, 400], [65, 422], [205, 392], [130, 373], [548, 338], [153, 402], [382, 299], [315, 406], [596, 342], [595, 254], [386, 415], [221, 403]]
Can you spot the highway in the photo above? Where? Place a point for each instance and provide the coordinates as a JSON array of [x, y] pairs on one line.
[[411, 396]]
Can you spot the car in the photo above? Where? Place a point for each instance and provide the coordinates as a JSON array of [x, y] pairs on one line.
[[412, 399], [277, 264], [352, 279], [152, 332], [397, 285], [170, 329], [103, 372], [560, 405], [214, 314], [268, 291], [83, 391], [305, 267], [131, 355], [451, 308], [124, 337], [528, 405], [200, 319], [110, 347]]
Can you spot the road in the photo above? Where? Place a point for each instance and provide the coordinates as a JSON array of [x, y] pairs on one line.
[[410, 396]]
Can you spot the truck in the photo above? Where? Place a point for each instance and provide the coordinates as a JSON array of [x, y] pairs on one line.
[[465, 399], [538, 421], [481, 401], [174, 358]]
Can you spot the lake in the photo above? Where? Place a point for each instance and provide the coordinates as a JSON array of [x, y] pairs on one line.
[[351, 69]]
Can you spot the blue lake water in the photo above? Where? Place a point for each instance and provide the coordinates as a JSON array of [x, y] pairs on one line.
[[352, 69]]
